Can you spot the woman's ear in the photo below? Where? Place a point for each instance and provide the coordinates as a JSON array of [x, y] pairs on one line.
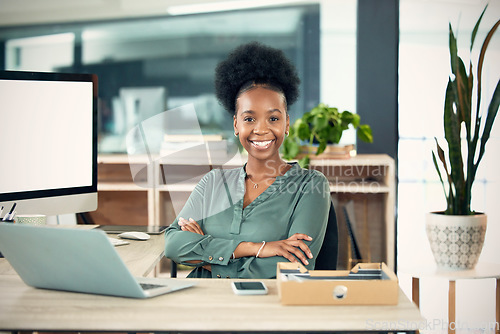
[[287, 128], [235, 125]]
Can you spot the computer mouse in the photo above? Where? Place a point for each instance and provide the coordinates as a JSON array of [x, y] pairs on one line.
[[134, 235]]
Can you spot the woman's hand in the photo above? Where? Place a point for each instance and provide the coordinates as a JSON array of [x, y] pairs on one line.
[[291, 249], [190, 225]]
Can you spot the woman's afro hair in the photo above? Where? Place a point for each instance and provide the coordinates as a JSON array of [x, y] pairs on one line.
[[257, 63]]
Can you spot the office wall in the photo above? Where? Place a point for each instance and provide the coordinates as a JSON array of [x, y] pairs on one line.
[[377, 73], [423, 74], [338, 53]]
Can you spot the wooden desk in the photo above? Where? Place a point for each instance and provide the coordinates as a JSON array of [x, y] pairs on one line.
[[209, 306], [141, 257]]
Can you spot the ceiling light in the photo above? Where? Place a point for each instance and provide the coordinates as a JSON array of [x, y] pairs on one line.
[[224, 6]]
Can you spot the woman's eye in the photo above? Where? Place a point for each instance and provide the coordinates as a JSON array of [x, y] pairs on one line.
[[274, 119], [248, 119]]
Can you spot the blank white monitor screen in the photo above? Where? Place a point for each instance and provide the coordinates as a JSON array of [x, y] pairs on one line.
[[48, 141]]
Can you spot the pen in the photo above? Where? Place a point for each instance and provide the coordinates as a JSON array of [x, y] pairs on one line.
[[7, 216]]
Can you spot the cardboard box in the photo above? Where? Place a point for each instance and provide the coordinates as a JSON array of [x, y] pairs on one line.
[[364, 284]]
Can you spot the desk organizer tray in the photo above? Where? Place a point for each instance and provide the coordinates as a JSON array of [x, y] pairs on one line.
[[364, 284]]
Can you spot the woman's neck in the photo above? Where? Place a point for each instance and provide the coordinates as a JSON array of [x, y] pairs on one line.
[[264, 169]]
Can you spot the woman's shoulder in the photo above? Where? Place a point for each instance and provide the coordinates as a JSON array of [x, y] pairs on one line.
[[308, 174], [220, 174]]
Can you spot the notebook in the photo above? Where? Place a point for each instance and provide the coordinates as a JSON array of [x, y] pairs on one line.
[[75, 260]]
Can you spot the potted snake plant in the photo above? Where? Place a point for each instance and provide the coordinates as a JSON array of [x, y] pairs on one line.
[[456, 235]]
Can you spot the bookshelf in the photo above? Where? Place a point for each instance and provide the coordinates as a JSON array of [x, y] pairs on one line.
[[365, 182], [121, 201]]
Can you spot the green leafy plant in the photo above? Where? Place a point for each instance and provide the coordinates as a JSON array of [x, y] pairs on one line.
[[322, 125], [460, 114]]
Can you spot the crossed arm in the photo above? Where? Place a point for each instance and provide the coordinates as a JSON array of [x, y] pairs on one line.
[[292, 248], [188, 242]]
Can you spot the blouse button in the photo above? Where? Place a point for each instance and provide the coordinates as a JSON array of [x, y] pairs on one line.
[[210, 258], [221, 258]]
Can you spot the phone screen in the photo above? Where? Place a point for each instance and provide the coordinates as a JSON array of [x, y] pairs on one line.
[[249, 286]]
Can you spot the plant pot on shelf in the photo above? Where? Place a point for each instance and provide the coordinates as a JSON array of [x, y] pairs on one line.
[[456, 241], [322, 126], [332, 151]]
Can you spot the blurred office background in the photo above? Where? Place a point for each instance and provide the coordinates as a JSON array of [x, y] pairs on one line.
[[148, 64], [385, 59]]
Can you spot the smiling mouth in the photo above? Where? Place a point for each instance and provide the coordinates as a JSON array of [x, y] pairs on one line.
[[261, 144]]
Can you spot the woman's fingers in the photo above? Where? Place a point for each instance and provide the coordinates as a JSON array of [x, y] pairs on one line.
[[300, 236], [289, 249], [196, 226], [292, 254], [302, 245], [190, 225], [296, 240], [298, 254], [289, 256]]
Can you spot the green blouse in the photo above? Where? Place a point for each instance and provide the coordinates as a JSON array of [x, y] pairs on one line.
[[297, 202]]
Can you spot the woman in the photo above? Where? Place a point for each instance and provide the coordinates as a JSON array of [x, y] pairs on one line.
[[239, 223]]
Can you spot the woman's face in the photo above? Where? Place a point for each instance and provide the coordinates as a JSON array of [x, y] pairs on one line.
[[261, 121]]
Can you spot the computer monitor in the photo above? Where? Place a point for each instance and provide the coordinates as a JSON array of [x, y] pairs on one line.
[[141, 103], [48, 142]]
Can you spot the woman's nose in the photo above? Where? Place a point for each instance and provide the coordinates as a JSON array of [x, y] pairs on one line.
[[260, 128]]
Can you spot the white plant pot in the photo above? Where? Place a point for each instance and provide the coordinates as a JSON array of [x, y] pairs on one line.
[[456, 241]]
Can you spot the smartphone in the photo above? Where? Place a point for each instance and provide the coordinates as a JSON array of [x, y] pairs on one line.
[[249, 288]]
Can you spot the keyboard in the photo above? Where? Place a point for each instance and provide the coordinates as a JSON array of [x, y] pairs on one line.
[[147, 286], [118, 242]]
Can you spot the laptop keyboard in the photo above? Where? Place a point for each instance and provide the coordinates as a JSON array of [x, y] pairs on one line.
[[117, 242], [147, 286]]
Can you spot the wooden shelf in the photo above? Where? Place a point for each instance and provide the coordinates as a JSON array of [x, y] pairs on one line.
[[353, 188], [119, 186], [368, 184], [121, 159], [178, 187], [358, 160], [360, 188]]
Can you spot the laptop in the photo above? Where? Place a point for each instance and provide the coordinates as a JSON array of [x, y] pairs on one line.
[[75, 260]]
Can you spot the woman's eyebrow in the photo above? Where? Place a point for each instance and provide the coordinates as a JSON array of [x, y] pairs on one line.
[[270, 111], [274, 110]]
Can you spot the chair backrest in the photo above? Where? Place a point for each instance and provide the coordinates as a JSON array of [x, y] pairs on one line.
[[327, 256]]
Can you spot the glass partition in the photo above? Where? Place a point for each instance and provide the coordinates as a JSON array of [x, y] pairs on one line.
[[149, 65]]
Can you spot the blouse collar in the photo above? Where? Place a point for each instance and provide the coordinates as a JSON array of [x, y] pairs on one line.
[[295, 167]]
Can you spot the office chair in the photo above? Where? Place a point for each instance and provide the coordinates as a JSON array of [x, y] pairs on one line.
[[327, 256]]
